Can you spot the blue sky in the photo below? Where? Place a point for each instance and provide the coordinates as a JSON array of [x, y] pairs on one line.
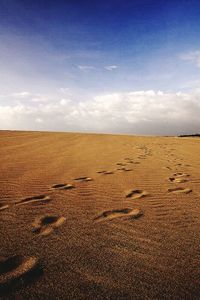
[[83, 50]]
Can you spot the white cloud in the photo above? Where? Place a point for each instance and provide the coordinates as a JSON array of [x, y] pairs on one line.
[[64, 90], [138, 112], [110, 68], [64, 101], [86, 68], [23, 97], [39, 98], [89, 68], [193, 57], [21, 94], [39, 120]]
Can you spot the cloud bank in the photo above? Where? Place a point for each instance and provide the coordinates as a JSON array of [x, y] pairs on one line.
[[138, 112], [110, 68]]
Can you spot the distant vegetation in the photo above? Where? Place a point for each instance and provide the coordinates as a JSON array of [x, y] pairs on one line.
[[190, 135]]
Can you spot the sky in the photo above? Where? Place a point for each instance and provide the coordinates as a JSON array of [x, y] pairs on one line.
[[127, 67]]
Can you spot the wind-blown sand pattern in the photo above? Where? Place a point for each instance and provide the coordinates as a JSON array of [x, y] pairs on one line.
[[128, 235]]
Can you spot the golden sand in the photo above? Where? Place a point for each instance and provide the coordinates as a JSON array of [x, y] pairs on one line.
[[103, 216]]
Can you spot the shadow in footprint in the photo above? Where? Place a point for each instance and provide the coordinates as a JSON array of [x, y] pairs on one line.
[[18, 271], [136, 194], [180, 190], [35, 199], [119, 213], [47, 224]]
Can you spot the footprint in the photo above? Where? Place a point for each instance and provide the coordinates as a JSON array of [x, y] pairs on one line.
[[3, 206], [46, 224], [178, 179], [142, 157], [108, 172], [16, 270], [35, 199], [83, 179], [136, 194], [129, 160], [125, 169], [119, 213], [179, 174], [121, 164], [62, 186], [180, 190]]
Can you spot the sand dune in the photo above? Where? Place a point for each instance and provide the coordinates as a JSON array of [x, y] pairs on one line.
[[86, 216]]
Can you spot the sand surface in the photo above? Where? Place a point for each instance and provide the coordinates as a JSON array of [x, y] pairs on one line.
[[99, 216]]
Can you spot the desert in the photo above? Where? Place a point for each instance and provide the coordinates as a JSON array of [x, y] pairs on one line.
[[99, 216]]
